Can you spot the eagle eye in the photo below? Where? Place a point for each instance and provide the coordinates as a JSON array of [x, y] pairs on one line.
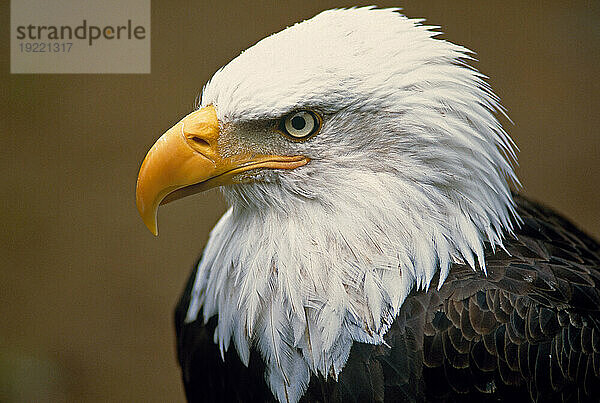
[[301, 124]]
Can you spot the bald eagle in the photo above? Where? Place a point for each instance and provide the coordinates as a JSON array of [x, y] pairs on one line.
[[373, 249]]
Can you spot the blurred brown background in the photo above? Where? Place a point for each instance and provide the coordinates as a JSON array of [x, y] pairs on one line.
[[87, 292]]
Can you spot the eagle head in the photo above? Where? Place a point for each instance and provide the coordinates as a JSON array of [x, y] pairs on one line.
[[360, 155]]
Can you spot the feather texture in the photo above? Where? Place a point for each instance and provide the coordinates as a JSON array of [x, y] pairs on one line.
[[527, 331]]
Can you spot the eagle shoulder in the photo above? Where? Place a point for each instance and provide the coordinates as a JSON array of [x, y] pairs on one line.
[[207, 377], [528, 330]]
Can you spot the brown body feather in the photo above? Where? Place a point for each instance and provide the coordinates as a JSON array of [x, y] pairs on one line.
[[528, 331]]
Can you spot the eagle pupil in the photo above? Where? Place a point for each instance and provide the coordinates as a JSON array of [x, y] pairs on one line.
[[298, 122]]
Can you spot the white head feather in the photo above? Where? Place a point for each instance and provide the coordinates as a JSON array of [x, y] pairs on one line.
[[408, 175]]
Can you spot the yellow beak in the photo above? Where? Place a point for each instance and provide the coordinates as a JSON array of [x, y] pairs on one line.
[[186, 160]]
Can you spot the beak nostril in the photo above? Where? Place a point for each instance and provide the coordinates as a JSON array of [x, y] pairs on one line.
[[200, 141]]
